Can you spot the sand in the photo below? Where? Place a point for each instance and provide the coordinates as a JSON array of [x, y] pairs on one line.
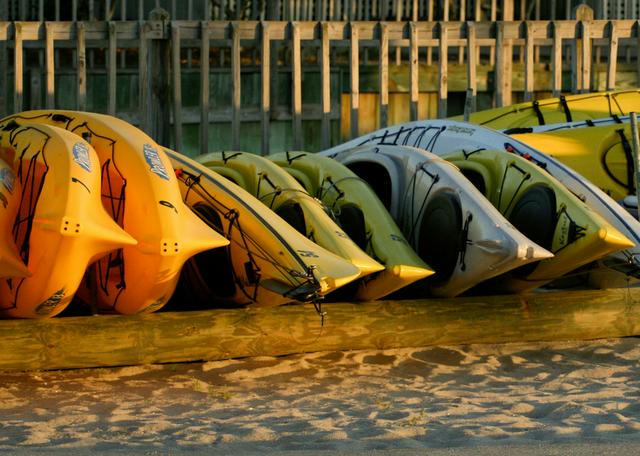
[[488, 396]]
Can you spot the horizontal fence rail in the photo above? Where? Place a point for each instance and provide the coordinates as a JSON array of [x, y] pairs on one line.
[[204, 85]]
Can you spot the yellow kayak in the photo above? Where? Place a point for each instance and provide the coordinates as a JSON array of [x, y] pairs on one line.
[[362, 216], [267, 263], [557, 110], [61, 226], [283, 194], [601, 154], [11, 265], [544, 211], [141, 193]]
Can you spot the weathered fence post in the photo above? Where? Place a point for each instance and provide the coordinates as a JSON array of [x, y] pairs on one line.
[[4, 62], [159, 58], [581, 50]]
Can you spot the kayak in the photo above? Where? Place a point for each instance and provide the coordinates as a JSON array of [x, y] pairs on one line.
[[602, 154], [11, 265], [141, 193], [448, 222], [544, 211], [570, 108], [361, 214], [61, 226], [281, 193], [267, 262], [445, 136]]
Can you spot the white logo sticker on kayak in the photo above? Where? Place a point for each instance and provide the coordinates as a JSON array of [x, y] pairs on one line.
[[7, 177], [81, 156], [154, 162]]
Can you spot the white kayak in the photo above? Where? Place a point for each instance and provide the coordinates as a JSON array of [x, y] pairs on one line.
[[449, 223]]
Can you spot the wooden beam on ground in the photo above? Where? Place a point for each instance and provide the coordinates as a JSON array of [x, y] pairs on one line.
[[169, 337]]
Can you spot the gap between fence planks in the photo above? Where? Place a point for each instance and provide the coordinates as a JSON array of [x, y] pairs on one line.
[[80, 342]]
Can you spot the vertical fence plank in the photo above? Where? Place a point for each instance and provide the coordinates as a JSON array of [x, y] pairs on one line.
[[500, 68], [493, 16], [462, 18], [297, 86], [82, 67], [556, 60], [177, 86], [413, 79], [528, 63], [236, 86], [613, 56], [18, 69], [354, 71], [204, 87], [143, 75], [111, 69], [430, 19], [4, 31], [585, 52], [49, 65], [383, 66], [507, 10], [266, 79], [326, 87], [472, 62], [638, 57], [443, 86]]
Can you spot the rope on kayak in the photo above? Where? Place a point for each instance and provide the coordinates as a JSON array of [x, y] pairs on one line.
[[290, 158], [525, 177], [323, 192], [413, 182], [297, 280], [565, 107], [628, 154], [536, 108]]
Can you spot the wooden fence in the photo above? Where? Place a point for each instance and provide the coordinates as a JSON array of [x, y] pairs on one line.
[[164, 60], [314, 10]]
